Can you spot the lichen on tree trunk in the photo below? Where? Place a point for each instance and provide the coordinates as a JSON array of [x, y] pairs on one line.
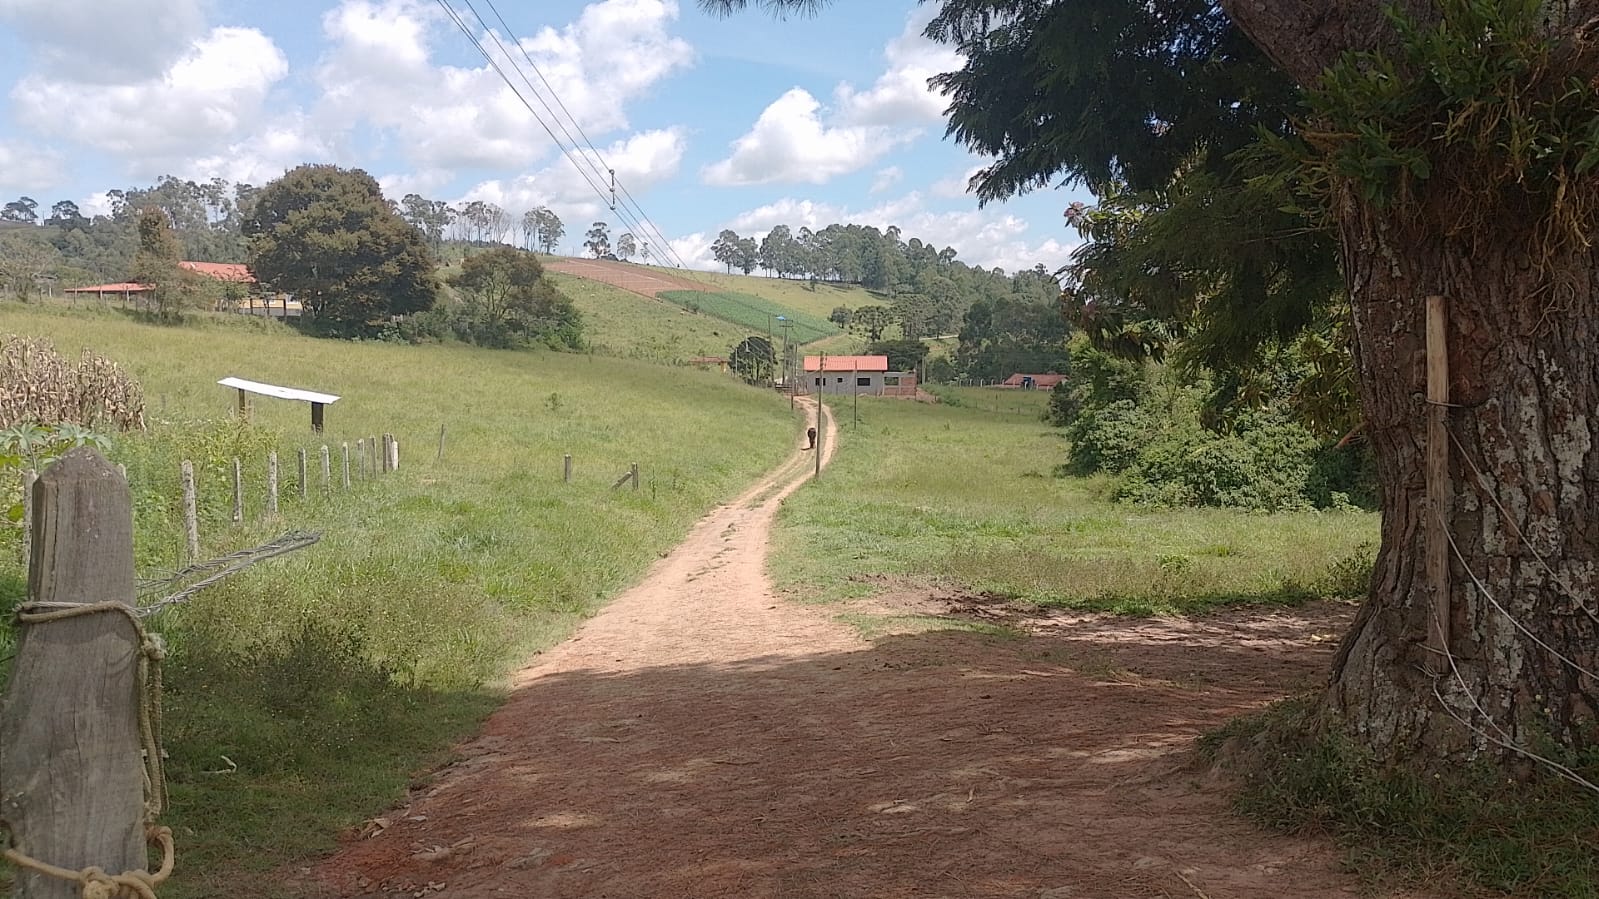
[[1524, 566]]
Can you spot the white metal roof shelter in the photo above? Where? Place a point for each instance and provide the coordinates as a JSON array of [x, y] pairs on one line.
[[318, 401]]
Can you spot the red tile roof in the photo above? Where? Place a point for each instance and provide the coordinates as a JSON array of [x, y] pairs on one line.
[[847, 363], [222, 271], [120, 287]]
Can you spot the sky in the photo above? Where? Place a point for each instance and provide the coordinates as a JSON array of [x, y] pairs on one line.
[[710, 123]]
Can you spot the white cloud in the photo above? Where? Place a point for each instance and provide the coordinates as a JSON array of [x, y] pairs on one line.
[[981, 237], [901, 95], [106, 41], [26, 168], [887, 178], [268, 151], [212, 94], [380, 71], [790, 143], [641, 161], [955, 185]]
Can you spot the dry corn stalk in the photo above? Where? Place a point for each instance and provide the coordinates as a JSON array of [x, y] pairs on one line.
[[37, 385]]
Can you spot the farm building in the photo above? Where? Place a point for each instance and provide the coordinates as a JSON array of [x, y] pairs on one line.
[[864, 375], [1033, 382]]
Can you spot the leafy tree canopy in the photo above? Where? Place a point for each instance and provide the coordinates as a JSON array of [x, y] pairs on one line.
[[328, 236]]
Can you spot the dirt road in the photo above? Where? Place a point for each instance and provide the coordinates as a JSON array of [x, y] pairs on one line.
[[702, 737]]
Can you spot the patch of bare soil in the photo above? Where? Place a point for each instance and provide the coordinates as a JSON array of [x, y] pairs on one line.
[[702, 737], [633, 278]]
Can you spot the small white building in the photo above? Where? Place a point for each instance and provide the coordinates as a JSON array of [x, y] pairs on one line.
[[851, 375]]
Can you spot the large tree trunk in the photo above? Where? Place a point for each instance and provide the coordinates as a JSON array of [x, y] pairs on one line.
[[1523, 338], [1524, 363]]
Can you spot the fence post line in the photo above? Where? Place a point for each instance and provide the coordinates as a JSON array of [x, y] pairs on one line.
[[302, 473], [238, 491], [191, 513], [566, 464], [272, 482], [327, 469], [73, 783], [634, 470], [346, 450]]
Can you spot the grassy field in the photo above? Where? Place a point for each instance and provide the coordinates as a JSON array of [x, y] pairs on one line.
[[754, 313], [964, 494], [624, 324], [302, 694]]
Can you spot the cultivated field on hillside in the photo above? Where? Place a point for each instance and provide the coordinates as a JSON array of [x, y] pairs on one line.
[[620, 323]]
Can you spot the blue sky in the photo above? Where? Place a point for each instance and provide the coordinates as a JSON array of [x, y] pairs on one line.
[[710, 123]]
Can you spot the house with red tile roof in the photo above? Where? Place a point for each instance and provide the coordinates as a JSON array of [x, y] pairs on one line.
[[861, 375], [1033, 382]]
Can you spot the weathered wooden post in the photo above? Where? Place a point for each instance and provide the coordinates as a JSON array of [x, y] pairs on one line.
[[272, 482], [360, 458], [191, 513], [388, 452], [634, 469], [372, 447], [238, 491], [72, 779], [567, 467], [345, 447], [303, 491], [327, 469], [394, 452], [441, 444]]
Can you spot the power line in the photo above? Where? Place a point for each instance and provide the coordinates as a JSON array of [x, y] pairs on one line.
[[629, 212]]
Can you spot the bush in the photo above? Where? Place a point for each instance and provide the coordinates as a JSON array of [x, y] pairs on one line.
[[1109, 438], [1264, 465]]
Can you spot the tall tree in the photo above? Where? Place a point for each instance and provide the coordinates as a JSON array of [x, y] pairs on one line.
[[25, 260], [626, 246], [20, 210], [598, 239], [1447, 148], [170, 288], [328, 236], [66, 215], [726, 248], [550, 228], [871, 321], [510, 302]]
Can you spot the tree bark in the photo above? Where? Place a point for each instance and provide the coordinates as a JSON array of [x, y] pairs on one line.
[[1524, 567]]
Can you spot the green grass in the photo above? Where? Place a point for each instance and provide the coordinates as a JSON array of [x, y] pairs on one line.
[[753, 313], [964, 494], [620, 323], [303, 694], [1532, 837]]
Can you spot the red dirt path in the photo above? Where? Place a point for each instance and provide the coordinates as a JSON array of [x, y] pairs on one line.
[[702, 737], [633, 278]]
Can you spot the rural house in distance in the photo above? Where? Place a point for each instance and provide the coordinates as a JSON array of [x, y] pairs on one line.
[[865, 375]]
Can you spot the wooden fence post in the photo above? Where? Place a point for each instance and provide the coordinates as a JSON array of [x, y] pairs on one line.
[[302, 473], [72, 787], [441, 444], [327, 469], [238, 491], [372, 447], [394, 451], [191, 513], [388, 452], [634, 470], [360, 458], [272, 482], [566, 464], [346, 449]]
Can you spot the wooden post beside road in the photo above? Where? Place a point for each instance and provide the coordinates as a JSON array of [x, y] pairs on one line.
[[327, 469], [72, 786], [566, 465], [303, 491], [634, 469], [272, 482], [345, 449], [238, 491]]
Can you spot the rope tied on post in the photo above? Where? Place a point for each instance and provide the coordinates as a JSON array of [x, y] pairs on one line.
[[96, 883]]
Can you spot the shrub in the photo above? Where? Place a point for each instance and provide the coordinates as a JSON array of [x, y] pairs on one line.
[[1109, 438]]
